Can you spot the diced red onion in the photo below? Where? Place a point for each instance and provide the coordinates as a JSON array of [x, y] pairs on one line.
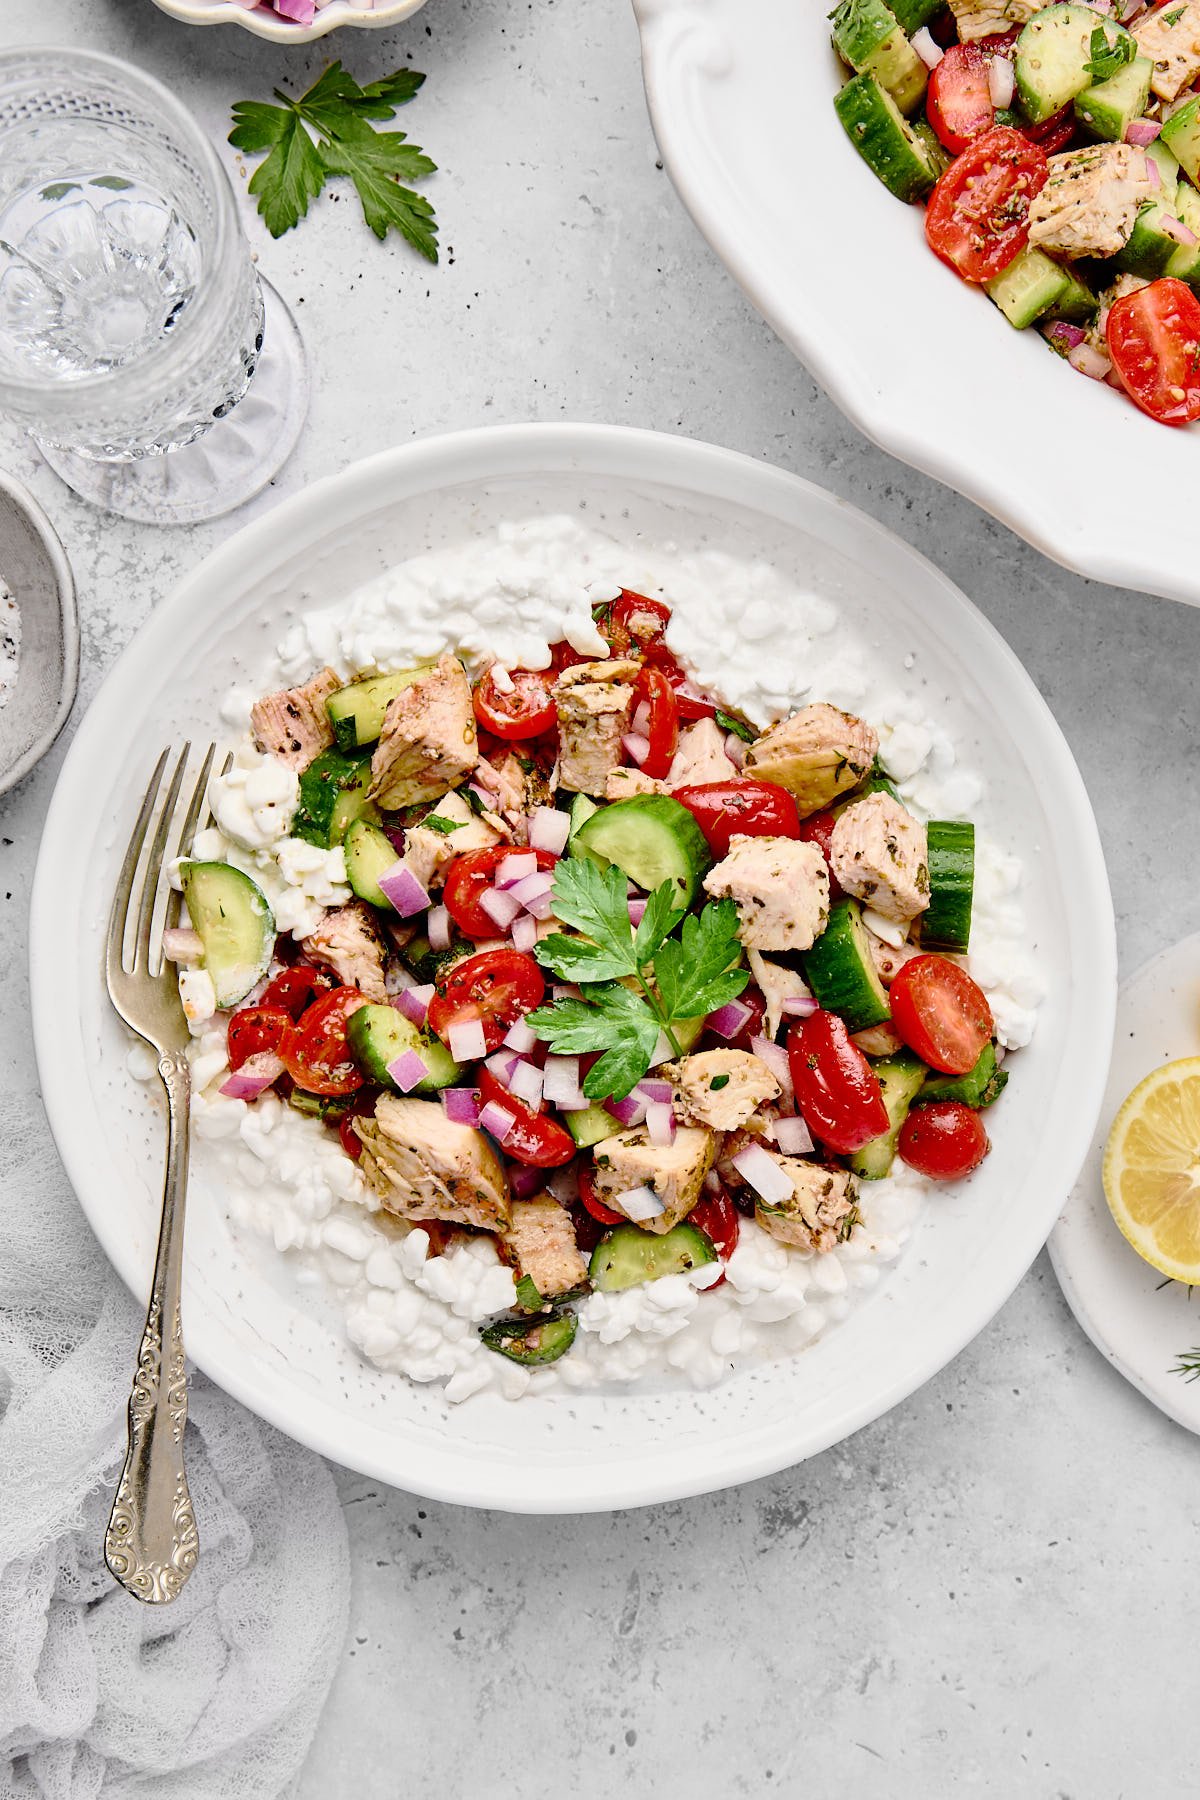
[[466, 1041], [729, 1019], [526, 1083], [501, 1063], [525, 1181], [655, 1093], [637, 909], [500, 906], [1142, 132], [1063, 333], [660, 1124], [930, 53], [800, 1006], [407, 1070], [413, 1002], [549, 829], [793, 1137], [1175, 228], [180, 944], [497, 1120], [1090, 361], [1001, 82], [566, 990], [481, 794], [541, 907], [640, 1203], [735, 750], [636, 747], [561, 1083], [1152, 174], [520, 1037], [763, 1173], [437, 928], [462, 1105], [301, 12], [401, 887], [254, 1077], [515, 866], [664, 1050], [776, 1059], [532, 887], [641, 719], [630, 1111], [524, 933]]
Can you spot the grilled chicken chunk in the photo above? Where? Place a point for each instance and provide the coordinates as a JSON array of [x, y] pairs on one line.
[[780, 888], [720, 1088], [293, 724], [777, 983], [674, 1171], [423, 1166], [516, 786], [878, 853], [700, 756], [348, 941], [594, 702], [984, 18], [1170, 37], [816, 755], [541, 1240], [428, 851], [428, 741], [623, 784], [1090, 202], [819, 1215]]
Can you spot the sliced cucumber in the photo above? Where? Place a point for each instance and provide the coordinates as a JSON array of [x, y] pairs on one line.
[[979, 1087], [651, 839], [900, 1079], [1185, 264], [910, 15], [591, 1125], [333, 793], [356, 712], [1108, 108], [532, 1341], [1181, 135], [235, 924], [1076, 302], [582, 809], [1030, 285], [625, 1256], [841, 971], [888, 145], [319, 1106], [946, 921], [377, 1035], [369, 854], [1167, 164], [1149, 247], [867, 36], [1054, 56]]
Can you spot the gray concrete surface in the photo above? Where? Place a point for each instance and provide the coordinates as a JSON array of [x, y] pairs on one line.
[[992, 1590]]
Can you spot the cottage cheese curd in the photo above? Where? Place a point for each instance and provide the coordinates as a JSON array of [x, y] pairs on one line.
[[508, 595]]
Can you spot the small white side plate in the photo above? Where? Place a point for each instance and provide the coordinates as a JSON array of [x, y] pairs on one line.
[[1137, 1323], [34, 567]]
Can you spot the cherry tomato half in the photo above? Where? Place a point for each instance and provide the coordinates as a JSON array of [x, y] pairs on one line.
[[360, 1107], [523, 710], [941, 1014], [470, 876], [604, 1215], [978, 214], [254, 1029], [1154, 341], [632, 621], [691, 704], [654, 691], [751, 808], [944, 1141], [717, 1217], [496, 987], [296, 988], [837, 1090], [958, 100], [1052, 134], [818, 829], [535, 1139], [314, 1050]]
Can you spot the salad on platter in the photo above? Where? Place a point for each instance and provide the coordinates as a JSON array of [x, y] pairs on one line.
[[1057, 149], [571, 1023]]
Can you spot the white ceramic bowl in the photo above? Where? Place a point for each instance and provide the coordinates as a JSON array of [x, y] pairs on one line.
[[264, 22], [278, 1347], [741, 96]]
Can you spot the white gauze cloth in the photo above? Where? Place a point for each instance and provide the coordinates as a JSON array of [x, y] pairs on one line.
[[216, 1696]]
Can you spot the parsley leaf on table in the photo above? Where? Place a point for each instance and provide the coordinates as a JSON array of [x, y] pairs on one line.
[[329, 131]]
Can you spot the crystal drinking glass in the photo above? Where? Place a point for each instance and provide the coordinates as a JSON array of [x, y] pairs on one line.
[[157, 372]]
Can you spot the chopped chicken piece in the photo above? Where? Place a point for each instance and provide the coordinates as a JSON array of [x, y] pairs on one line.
[[293, 724], [674, 1171], [720, 1088], [878, 853], [348, 941], [1090, 202], [622, 784], [541, 1240], [889, 961], [816, 755], [985, 18], [1170, 37], [777, 983], [428, 739], [878, 1040], [428, 851], [780, 888], [819, 1216], [424, 1166], [701, 756], [594, 702], [516, 786]]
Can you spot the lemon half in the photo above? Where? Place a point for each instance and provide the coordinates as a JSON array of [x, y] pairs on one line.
[[1152, 1169]]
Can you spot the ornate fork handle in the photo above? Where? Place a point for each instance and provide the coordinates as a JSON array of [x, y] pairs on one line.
[[151, 1543]]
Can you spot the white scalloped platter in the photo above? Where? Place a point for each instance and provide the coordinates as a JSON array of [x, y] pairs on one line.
[[264, 22], [741, 98]]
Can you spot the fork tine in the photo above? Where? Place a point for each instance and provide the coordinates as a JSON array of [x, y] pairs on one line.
[[141, 951], [187, 831], [120, 905]]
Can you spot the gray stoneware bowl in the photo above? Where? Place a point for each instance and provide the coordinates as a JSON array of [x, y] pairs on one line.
[[34, 568]]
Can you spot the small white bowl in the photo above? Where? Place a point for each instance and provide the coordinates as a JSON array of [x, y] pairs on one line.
[[265, 23], [34, 568]]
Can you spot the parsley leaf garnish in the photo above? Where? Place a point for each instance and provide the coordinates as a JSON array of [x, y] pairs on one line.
[[679, 978], [1108, 57], [328, 131], [438, 822], [739, 727]]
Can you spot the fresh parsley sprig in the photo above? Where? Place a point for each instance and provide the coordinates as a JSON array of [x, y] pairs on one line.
[[330, 130], [1109, 56], [635, 986]]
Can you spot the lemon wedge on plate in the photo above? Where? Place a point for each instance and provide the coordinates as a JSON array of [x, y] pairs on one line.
[[1152, 1169]]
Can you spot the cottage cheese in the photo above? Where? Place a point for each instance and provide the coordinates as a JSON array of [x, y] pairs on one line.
[[508, 596]]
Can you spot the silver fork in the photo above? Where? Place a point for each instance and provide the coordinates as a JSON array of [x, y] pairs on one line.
[[151, 1543]]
